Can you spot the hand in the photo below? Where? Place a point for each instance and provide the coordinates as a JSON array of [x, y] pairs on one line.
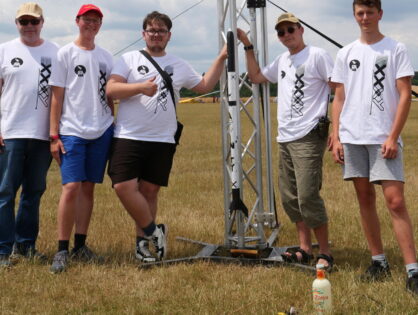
[[390, 149], [149, 88], [242, 36], [330, 142], [57, 147], [224, 53], [337, 152]]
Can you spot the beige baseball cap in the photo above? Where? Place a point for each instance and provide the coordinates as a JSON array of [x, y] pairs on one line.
[[286, 17], [29, 8]]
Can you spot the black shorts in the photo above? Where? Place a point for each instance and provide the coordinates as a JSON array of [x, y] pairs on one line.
[[149, 161]]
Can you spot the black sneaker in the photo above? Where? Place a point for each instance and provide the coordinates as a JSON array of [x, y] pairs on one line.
[[85, 254], [142, 252], [60, 261], [5, 261], [159, 239], [376, 272], [412, 283], [27, 252]]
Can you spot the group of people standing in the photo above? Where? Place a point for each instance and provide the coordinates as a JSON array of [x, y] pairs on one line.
[[71, 90]]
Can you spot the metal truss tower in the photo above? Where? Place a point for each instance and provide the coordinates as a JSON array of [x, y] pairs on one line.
[[246, 141]]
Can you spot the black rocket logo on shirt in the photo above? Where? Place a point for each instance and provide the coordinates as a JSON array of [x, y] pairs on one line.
[[354, 64], [16, 62], [80, 70], [298, 94], [378, 80], [164, 92], [43, 87], [143, 69]]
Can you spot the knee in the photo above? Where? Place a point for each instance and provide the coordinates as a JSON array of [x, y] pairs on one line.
[[396, 205], [122, 189], [367, 198], [70, 191]]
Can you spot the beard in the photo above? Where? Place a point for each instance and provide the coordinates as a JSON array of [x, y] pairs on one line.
[[156, 48]]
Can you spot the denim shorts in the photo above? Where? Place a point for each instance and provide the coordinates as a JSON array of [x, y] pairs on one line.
[[367, 161], [85, 159]]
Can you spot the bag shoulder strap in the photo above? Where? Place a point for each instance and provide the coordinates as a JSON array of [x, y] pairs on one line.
[[167, 78]]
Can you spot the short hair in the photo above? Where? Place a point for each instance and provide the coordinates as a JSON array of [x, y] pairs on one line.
[[369, 3], [156, 16]]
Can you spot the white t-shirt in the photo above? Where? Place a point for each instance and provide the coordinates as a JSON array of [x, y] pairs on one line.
[[83, 74], [302, 92], [25, 95], [369, 74], [145, 118]]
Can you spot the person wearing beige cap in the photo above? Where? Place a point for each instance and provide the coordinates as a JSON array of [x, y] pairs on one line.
[[81, 130], [25, 68], [302, 74]]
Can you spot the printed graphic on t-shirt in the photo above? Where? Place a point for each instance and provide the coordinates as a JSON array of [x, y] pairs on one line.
[[298, 94], [16, 62], [142, 69], [283, 74], [354, 64], [378, 86], [43, 78], [80, 70], [102, 87], [164, 92]]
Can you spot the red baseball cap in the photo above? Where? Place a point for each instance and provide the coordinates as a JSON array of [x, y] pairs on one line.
[[89, 7]]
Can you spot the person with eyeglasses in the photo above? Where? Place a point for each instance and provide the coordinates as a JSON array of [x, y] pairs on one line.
[[81, 130], [144, 144], [302, 74], [25, 69], [371, 105]]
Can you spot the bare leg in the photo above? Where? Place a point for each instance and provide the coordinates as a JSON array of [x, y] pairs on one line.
[[366, 197], [85, 208], [150, 192], [395, 201], [67, 208], [134, 202]]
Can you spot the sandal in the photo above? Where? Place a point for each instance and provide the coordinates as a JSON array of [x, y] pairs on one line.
[[329, 259], [291, 256]]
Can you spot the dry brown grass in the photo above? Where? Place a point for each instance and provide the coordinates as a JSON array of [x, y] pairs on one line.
[[192, 206]]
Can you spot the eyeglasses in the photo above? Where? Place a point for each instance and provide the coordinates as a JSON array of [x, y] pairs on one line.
[[290, 30], [25, 22], [91, 21], [156, 32]]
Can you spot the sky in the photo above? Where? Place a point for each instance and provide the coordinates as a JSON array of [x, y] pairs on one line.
[[195, 35]]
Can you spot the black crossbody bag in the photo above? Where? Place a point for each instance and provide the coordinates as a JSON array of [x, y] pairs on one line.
[[169, 83]]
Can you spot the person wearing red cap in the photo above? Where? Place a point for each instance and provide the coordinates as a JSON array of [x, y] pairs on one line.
[[302, 74], [144, 143], [81, 129], [25, 68]]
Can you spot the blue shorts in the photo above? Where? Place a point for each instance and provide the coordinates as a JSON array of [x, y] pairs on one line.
[[85, 159]]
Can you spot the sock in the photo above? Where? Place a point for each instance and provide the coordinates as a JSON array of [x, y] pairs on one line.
[[63, 245], [139, 238], [411, 269], [381, 258], [79, 241], [148, 230]]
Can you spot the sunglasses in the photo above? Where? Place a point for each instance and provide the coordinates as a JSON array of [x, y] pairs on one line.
[[290, 30], [25, 22]]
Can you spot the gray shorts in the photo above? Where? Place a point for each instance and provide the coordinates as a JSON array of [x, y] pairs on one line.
[[367, 161]]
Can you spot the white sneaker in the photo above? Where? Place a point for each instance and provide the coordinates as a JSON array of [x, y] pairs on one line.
[[142, 252], [159, 239]]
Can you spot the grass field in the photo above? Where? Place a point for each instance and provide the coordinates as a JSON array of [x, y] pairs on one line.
[[192, 206]]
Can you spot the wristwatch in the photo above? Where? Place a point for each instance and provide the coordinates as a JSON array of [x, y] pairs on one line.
[[249, 47]]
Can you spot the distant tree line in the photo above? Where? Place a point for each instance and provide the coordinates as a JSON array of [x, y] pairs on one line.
[[245, 91], [415, 79]]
